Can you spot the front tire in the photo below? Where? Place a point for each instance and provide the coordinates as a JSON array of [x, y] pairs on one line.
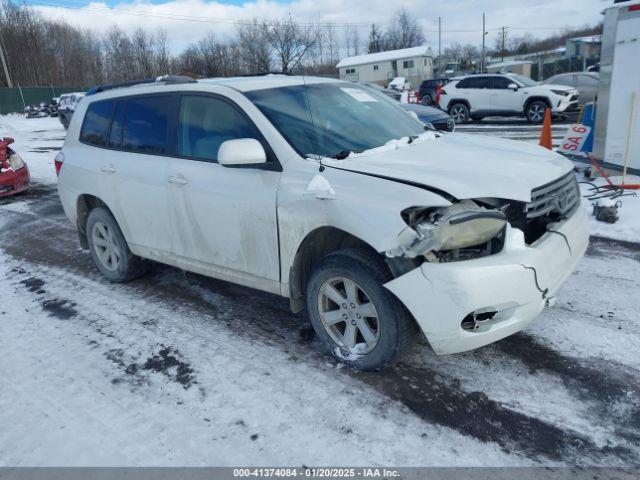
[[535, 111], [109, 249], [460, 112], [359, 321]]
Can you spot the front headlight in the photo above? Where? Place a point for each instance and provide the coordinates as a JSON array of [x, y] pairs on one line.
[[461, 225], [16, 162], [562, 93]]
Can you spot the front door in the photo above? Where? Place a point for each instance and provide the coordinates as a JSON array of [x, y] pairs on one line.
[[223, 218], [503, 98]]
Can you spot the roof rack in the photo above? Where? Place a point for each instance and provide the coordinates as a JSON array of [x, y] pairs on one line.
[[165, 79]]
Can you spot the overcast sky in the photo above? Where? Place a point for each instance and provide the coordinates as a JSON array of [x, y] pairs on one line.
[[461, 19]]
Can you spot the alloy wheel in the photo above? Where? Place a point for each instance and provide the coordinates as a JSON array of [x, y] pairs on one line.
[[348, 315], [459, 113], [536, 112], [106, 246]]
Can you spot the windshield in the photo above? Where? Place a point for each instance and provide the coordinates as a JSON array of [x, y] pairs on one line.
[[329, 119], [526, 81]]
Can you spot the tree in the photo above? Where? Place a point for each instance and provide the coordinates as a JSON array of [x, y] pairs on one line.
[[404, 32], [290, 42], [375, 39], [253, 45]]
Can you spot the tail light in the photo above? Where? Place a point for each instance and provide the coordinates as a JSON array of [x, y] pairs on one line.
[[58, 161]]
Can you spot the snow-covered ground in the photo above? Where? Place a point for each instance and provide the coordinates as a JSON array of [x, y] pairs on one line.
[[178, 369]]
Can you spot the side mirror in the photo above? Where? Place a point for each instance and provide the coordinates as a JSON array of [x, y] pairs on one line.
[[513, 86], [242, 151], [8, 140]]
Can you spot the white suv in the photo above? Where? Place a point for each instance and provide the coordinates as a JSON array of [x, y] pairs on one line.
[[477, 96], [327, 193]]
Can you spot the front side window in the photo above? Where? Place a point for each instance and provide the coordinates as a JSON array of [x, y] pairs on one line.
[[146, 124], [205, 123], [95, 128], [329, 118], [501, 83]]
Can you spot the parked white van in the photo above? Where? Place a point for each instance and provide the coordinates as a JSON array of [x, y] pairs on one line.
[[329, 194]]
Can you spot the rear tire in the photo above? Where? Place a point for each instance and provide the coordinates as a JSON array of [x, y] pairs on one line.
[[359, 321], [535, 111], [427, 100], [460, 112], [109, 249]]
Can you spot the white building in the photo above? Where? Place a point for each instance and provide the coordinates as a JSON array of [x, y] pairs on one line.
[[416, 64]]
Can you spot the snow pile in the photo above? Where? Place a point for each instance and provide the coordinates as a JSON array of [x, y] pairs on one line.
[[627, 228], [321, 188]]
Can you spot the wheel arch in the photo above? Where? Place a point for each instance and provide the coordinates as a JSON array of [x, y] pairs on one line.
[[317, 244], [453, 101], [535, 98], [85, 203]]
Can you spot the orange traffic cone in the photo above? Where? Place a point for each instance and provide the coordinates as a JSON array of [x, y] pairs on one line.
[[545, 136]]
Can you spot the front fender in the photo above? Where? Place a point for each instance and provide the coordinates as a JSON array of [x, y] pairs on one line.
[[366, 207]]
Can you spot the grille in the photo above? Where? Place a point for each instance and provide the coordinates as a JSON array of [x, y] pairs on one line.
[[559, 197], [447, 125]]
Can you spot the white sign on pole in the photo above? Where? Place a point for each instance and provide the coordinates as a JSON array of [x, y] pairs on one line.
[[574, 138]]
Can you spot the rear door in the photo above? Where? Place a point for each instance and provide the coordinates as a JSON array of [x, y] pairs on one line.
[[141, 139], [223, 218], [476, 91]]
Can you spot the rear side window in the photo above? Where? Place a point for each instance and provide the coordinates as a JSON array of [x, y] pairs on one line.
[[475, 82], [207, 122], [146, 124], [95, 128]]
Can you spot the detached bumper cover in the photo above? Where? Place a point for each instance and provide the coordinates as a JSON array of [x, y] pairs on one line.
[[517, 283], [14, 182]]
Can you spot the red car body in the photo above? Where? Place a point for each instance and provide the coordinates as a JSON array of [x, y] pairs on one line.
[[12, 180]]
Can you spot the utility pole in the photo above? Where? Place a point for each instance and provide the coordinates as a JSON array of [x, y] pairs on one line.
[[4, 61], [439, 43], [484, 34], [504, 39]]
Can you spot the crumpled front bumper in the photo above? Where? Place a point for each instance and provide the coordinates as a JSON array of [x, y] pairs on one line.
[[517, 283]]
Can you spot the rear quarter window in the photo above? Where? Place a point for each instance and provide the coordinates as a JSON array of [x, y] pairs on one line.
[[95, 128]]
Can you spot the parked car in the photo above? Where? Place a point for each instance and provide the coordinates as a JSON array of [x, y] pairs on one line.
[[585, 82], [67, 106], [14, 172], [328, 193], [395, 94], [432, 117], [38, 111], [53, 107], [429, 88], [400, 84], [508, 94]]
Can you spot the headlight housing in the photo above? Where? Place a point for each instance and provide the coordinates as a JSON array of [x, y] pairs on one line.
[[16, 162], [562, 93], [459, 226]]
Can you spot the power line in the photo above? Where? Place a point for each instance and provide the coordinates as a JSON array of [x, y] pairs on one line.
[[70, 4]]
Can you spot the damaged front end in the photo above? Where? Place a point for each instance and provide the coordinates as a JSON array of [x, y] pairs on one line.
[[461, 231]]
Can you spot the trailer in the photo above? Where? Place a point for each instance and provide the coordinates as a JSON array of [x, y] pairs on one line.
[[617, 126]]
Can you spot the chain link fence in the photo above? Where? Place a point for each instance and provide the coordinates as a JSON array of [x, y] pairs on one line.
[[541, 70], [14, 100]]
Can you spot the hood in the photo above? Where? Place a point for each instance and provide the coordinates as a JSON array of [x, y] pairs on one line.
[[464, 166]]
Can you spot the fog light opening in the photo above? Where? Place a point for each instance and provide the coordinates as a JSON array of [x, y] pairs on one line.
[[473, 321]]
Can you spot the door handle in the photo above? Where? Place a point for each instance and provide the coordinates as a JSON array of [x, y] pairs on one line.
[[108, 169], [178, 180]]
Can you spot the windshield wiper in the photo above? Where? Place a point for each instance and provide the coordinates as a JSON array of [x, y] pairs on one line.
[[342, 155], [412, 138]]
